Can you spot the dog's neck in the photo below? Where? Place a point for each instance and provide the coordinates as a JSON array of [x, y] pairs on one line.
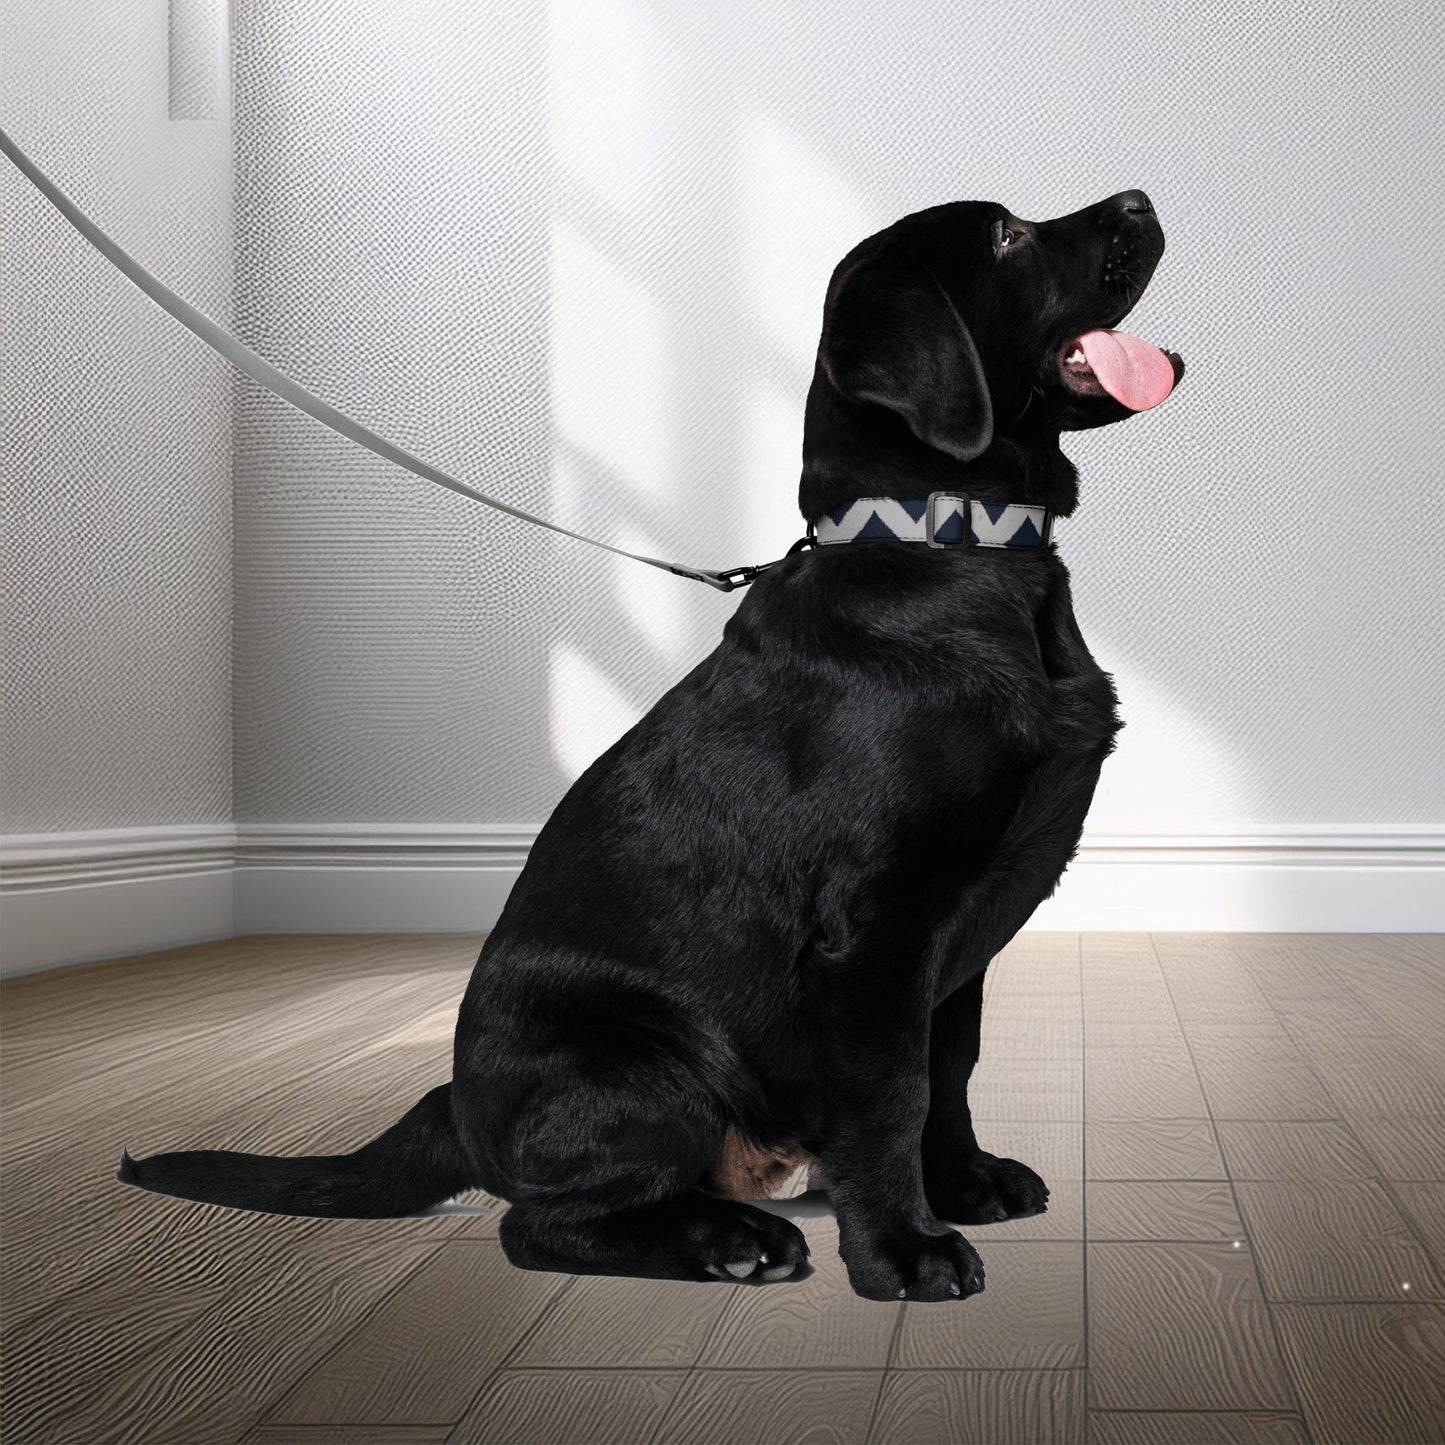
[[1034, 472], [845, 456]]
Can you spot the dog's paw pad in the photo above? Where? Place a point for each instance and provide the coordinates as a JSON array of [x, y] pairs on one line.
[[751, 1245]]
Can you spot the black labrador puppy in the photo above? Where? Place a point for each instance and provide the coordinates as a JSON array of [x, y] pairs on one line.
[[753, 935]]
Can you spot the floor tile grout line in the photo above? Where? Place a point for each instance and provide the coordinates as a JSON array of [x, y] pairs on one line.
[[1274, 1332], [1418, 1234], [569, 1283], [1436, 1305], [693, 1368], [1359, 1137], [1424, 1306], [1348, 1125], [893, 1369], [275, 1402], [1354, 1301], [1304, 1053], [302, 1428], [859, 1368], [731, 1306], [688, 1376], [322, 1360], [888, 1367], [1173, 1178], [1159, 1238], [1220, 1118]]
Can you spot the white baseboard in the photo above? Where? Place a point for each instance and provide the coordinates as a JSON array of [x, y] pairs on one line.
[[74, 897], [1355, 878], [377, 878], [70, 898]]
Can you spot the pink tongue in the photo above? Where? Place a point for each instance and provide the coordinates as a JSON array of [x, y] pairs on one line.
[[1132, 371]]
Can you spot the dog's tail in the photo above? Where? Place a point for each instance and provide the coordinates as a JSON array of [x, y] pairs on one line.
[[415, 1164]]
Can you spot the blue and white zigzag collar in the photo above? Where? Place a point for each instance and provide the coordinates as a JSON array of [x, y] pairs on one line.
[[941, 519]]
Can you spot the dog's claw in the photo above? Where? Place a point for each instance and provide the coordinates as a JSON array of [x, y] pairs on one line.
[[923, 1267]]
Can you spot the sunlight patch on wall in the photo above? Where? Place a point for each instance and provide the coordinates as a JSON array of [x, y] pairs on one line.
[[609, 373], [569, 493], [1170, 763], [649, 598], [799, 215], [588, 711], [769, 462]]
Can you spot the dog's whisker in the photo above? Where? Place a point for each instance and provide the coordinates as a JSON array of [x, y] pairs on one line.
[[1028, 400]]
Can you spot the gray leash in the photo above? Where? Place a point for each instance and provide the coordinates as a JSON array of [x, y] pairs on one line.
[[259, 370]]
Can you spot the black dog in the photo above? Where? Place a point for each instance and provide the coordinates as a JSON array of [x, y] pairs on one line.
[[754, 933]]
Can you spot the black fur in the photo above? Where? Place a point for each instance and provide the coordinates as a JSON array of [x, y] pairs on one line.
[[769, 907]]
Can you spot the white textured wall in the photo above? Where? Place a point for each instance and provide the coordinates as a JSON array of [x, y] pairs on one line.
[[391, 216], [115, 448], [580, 256]]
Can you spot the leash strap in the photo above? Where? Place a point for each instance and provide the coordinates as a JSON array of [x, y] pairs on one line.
[[261, 371]]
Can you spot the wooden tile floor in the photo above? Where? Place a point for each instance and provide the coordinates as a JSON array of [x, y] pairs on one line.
[[1245, 1137]]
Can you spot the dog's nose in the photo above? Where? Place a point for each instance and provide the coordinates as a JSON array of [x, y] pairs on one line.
[[1134, 201]]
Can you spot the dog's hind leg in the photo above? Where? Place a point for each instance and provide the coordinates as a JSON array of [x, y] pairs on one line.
[[691, 1236], [601, 1145]]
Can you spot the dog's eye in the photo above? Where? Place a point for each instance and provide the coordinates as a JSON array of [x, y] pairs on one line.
[[1003, 236]]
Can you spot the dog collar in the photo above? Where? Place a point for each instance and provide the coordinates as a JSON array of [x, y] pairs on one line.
[[941, 519]]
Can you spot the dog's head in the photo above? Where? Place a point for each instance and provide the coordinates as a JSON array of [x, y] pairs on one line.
[[963, 325]]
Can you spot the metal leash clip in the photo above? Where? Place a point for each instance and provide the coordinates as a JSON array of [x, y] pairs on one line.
[[736, 577]]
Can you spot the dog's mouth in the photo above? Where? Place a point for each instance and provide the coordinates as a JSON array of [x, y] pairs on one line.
[[1135, 373]]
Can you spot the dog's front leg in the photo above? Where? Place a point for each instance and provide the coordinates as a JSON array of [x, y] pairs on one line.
[[893, 1245], [964, 1183]]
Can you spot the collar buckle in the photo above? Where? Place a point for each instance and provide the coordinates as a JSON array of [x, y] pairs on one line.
[[932, 525]]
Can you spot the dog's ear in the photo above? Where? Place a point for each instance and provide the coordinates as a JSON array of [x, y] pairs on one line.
[[892, 336]]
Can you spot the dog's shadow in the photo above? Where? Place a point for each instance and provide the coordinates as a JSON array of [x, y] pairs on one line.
[[811, 1204], [815, 1204]]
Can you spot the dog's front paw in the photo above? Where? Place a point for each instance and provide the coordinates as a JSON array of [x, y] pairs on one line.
[[911, 1264], [985, 1189]]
